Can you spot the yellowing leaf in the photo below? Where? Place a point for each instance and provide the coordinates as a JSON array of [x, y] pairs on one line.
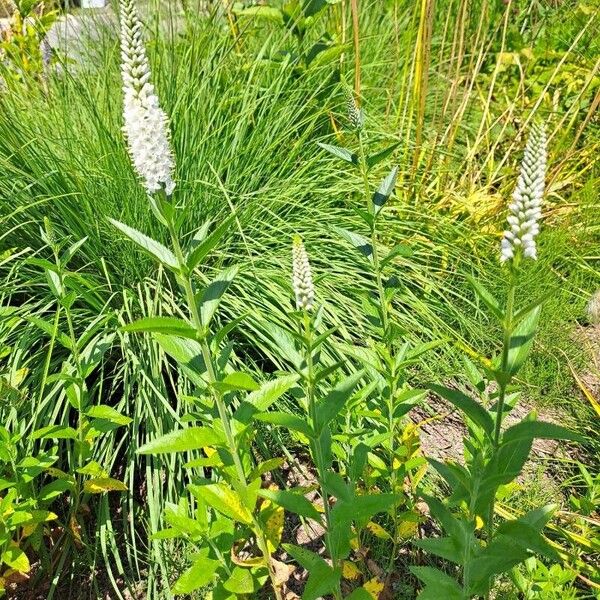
[[99, 485], [274, 527], [354, 544], [350, 570], [374, 587], [15, 558], [478, 522], [209, 451], [378, 531]]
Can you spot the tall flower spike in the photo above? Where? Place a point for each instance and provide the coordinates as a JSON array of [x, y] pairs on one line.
[[146, 126], [526, 208], [302, 276]]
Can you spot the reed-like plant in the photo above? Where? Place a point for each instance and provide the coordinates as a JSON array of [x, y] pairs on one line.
[[494, 454]]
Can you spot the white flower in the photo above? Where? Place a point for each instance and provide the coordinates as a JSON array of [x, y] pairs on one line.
[[526, 208], [146, 126], [302, 276]]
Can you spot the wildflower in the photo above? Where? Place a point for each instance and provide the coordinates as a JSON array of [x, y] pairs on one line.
[[302, 276], [593, 308], [146, 126], [526, 208], [355, 114]]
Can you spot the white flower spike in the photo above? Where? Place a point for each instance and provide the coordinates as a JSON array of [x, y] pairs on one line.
[[526, 208], [302, 276], [146, 126]]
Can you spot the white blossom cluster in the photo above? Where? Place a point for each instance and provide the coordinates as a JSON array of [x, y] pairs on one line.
[[302, 276], [526, 208], [146, 126]]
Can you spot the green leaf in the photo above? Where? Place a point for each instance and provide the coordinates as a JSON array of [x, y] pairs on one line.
[[108, 413], [265, 467], [477, 413], [187, 353], [539, 429], [328, 408], [398, 250], [223, 499], [294, 502], [486, 297], [150, 246], [268, 13], [201, 250], [70, 252], [361, 243], [236, 381], [183, 440], [362, 508], [338, 152], [528, 538], [375, 159], [286, 420], [360, 594], [322, 579], [54, 489], [49, 328], [200, 574], [271, 391], [521, 341], [56, 432], [165, 325], [385, 190], [211, 296], [241, 582], [438, 585], [443, 547]]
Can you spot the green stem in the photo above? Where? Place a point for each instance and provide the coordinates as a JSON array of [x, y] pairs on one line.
[[504, 381], [188, 286], [318, 449], [376, 264]]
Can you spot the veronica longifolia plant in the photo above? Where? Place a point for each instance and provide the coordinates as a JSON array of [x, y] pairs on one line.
[[230, 513], [397, 459], [494, 455]]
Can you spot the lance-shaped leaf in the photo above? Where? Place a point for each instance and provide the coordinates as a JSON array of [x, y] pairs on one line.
[[375, 159], [211, 296], [486, 297], [150, 246], [202, 248], [539, 429], [198, 575], [166, 325], [286, 420], [521, 341], [477, 413], [182, 440], [341, 153], [328, 408], [361, 243], [223, 499], [385, 190], [292, 501], [322, 579], [438, 585], [187, 353]]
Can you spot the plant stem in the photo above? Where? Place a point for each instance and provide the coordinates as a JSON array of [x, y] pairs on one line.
[[505, 379], [188, 286], [318, 449], [376, 265]]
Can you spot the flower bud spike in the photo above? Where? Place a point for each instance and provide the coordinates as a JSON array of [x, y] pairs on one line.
[[302, 276], [526, 209]]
